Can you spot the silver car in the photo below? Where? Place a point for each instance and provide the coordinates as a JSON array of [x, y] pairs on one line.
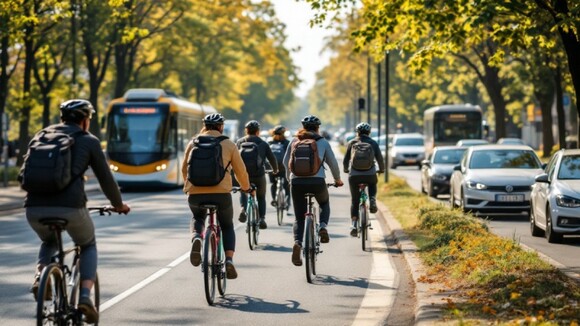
[[556, 197], [495, 179], [407, 149]]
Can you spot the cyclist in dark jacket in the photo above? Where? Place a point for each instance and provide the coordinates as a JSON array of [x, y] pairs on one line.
[[259, 178], [70, 204], [357, 177], [279, 139]]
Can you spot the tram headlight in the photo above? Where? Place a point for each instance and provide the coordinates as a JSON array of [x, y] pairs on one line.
[[161, 167], [113, 167]]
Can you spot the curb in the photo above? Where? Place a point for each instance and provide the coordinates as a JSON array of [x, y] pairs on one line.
[[429, 298]]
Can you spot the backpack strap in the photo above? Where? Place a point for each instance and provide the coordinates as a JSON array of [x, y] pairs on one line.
[[219, 140]]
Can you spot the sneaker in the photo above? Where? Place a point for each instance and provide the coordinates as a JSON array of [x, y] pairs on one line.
[[243, 217], [263, 224], [353, 231], [87, 307], [373, 205], [297, 255], [231, 270], [36, 284], [195, 254], [274, 203], [323, 234]]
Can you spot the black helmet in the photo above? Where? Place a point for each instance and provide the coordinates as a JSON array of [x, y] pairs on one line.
[[279, 130], [310, 120], [363, 128], [213, 119], [76, 110], [253, 124]]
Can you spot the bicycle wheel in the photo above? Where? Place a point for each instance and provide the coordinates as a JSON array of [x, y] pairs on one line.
[[256, 226], [75, 294], [50, 304], [363, 221], [280, 205], [209, 260], [309, 249], [251, 227], [221, 269]]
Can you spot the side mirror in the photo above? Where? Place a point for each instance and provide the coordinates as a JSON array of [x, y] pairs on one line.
[[457, 167], [544, 166], [542, 178]]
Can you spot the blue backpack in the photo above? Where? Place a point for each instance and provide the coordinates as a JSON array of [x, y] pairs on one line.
[[278, 149]]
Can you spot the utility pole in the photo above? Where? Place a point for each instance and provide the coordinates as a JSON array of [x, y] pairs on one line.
[[368, 88], [387, 117], [379, 108]]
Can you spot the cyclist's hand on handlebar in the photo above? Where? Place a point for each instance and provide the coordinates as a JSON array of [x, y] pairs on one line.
[[125, 209], [338, 183]]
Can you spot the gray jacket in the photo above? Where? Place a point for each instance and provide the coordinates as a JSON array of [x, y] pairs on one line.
[[86, 152], [326, 156]]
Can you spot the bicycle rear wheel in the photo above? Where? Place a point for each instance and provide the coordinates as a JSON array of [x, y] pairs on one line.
[[363, 220], [221, 269], [256, 226], [251, 226], [280, 206], [50, 303], [310, 249], [208, 266], [75, 294]]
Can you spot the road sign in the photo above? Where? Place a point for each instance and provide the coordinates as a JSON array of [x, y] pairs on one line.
[[566, 99]]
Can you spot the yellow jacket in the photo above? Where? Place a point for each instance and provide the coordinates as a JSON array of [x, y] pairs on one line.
[[229, 154]]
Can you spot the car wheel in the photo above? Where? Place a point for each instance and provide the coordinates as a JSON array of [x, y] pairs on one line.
[[452, 198], [536, 231], [430, 191], [462, 204], [552, 236], [394, 166], [423, 187]]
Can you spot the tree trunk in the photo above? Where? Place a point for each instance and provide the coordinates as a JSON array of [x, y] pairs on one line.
[[24, 138], [546, 101], [4, 76], [120, 70], [493, 86], [95, 127], [572, 47], [560, 108], [45, 109]]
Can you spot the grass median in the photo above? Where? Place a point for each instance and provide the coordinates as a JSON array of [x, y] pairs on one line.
[[493, 279]]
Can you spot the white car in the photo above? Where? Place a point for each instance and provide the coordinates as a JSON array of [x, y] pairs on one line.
[[556, 197], [407, 149], [494, 179]]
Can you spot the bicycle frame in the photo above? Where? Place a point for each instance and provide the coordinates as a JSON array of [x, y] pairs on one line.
[[311, 238], [280, 199], [252, 228], [213, 266]]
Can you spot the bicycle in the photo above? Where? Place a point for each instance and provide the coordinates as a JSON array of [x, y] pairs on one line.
[[280, 199], [311, 238], [363, 224], [252, 221], [214, 263], [59, 285]]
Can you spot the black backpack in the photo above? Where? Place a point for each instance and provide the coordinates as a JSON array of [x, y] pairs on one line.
[[252, 159], [47, 164], [205, 165], [362, 156], [279, 150]]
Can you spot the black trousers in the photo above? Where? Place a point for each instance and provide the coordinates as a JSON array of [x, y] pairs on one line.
[[299, 188], [353, 182], [261, 184], [225, 215]]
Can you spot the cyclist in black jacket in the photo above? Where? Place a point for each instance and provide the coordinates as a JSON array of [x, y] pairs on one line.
[[258, 177], [70, 203], [279, 140], [357, 177]]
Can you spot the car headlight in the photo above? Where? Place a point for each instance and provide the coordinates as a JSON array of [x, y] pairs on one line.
[[475, 185], [438, 177], [566, 201]]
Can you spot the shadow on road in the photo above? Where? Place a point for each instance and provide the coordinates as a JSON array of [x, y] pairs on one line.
[[274, 247], [356, 282], [252, 304]]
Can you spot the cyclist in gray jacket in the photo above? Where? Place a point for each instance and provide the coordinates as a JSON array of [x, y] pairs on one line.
[[315, 184]]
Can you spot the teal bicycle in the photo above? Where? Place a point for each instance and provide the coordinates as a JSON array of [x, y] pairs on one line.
[[252, 222]]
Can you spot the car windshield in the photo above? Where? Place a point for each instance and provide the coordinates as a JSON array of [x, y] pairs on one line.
[[448, 156], [409, 142], [504, 159], [570, 168]]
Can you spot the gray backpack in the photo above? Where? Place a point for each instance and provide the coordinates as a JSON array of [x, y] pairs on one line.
[[362, 156]]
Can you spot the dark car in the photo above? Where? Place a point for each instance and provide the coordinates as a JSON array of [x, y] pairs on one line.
[[437, 169]]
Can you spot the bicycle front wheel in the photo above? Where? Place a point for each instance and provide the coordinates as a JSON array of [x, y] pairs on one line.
[[75, 294], [256, 228], [363, 220], [50, 302], [310, 249], [221, 268], [251, 226], [208, 266], [280, 206]]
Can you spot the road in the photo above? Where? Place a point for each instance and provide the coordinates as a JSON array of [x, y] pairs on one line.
[[565, 255], [146, 277]]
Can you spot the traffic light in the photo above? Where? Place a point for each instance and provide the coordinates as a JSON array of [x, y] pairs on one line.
[[361, 103]]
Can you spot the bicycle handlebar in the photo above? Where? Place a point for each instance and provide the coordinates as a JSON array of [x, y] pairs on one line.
[[239, 189], [108, 209]]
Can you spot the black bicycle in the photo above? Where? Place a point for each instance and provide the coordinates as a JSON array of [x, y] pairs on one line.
[[280, 200], [311, 237], [59, 285]]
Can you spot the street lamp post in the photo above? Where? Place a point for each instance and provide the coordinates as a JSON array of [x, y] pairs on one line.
[[368, 88], [386, 158]]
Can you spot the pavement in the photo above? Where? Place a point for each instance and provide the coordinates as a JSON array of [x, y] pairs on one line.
[[430, 300]]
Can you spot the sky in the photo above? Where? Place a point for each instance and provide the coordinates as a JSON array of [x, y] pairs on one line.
[[296, 16]]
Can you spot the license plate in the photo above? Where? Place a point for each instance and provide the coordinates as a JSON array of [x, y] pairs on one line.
[[509, 198], [410, 161]]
